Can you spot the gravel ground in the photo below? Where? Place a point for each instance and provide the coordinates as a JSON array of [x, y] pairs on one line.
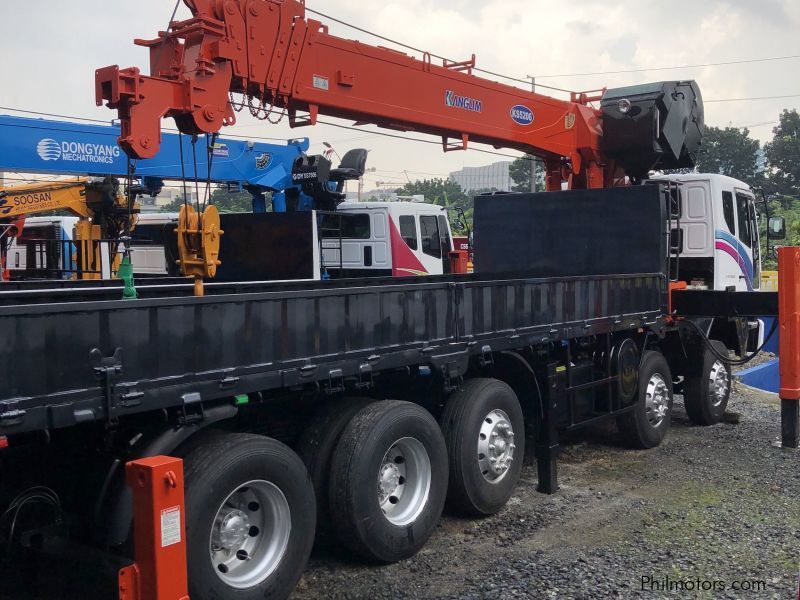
[[718, 504], [760, 359], [721, 504]]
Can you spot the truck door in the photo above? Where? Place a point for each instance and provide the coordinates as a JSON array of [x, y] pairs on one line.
[[736, 243], [435, 243], [406, 253], [756, 245], [748, 236], [447, 244], [729, 266]]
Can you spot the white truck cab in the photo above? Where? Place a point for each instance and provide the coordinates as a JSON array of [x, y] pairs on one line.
[[43, 249], [717, 247], [386, 238], [46, 249], [719, 239]]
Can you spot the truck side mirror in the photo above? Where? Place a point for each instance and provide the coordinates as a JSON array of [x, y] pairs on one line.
[[776, 229]]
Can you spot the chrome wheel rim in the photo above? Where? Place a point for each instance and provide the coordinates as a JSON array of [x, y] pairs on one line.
[[250, 534], [495, 446], [404, 481], [718, 383], [656, 399]]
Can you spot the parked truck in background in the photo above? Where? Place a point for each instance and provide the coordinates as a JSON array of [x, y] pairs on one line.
[[388, 238]]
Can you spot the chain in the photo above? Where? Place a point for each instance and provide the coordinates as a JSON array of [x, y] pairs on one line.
[[236, 107], [256, 111], [260, 111], [280, 116]]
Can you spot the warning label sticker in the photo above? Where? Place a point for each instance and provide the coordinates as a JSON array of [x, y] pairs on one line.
[[170, 526]]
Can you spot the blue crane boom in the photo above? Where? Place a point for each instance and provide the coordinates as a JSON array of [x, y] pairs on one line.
[[70, 148]]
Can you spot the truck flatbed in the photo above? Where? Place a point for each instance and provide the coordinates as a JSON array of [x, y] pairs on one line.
[[75, 355]]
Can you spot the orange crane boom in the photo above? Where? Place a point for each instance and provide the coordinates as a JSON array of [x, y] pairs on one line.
[[103, 215], [283, 62], [32, 198]]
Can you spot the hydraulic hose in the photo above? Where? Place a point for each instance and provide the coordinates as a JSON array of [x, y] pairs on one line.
[[727, 360]]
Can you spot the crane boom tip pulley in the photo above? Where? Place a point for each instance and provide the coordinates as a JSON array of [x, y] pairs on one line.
[[653, 126]]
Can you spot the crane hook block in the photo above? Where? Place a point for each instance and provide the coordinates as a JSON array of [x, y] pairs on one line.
[[198, 244]]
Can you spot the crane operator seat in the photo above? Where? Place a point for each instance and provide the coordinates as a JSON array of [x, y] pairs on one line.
[[352, 167]]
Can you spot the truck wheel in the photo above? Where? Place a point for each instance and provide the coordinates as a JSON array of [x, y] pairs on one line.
[[316, 446], [250, 518], [484, 430], [706, 395], [388, 481], [647, 424]]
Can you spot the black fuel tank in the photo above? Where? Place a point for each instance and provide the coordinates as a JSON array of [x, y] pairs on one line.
[[653, 126]]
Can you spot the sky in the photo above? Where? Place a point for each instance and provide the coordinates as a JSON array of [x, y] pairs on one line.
[[51, 49]]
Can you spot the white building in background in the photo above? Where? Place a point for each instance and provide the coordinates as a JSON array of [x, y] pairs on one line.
[[495, 176]]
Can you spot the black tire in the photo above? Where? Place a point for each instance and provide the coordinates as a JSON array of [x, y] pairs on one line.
[[315, 448], [215, 470], [636, 428], [358, 516], [702, 404], [475, 489]]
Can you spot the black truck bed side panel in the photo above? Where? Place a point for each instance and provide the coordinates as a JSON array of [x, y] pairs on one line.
[[180, 350], [572, 233]]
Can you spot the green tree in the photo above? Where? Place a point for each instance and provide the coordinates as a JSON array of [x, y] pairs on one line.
[[444, 192], [173, 206], [730, 151], [232, 202], [436, 190], [789, 208], [226, 201], [783, 181], [520, 171], [783, 156]]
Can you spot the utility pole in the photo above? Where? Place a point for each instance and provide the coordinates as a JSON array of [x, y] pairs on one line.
[[361, 181], [533, 158]]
